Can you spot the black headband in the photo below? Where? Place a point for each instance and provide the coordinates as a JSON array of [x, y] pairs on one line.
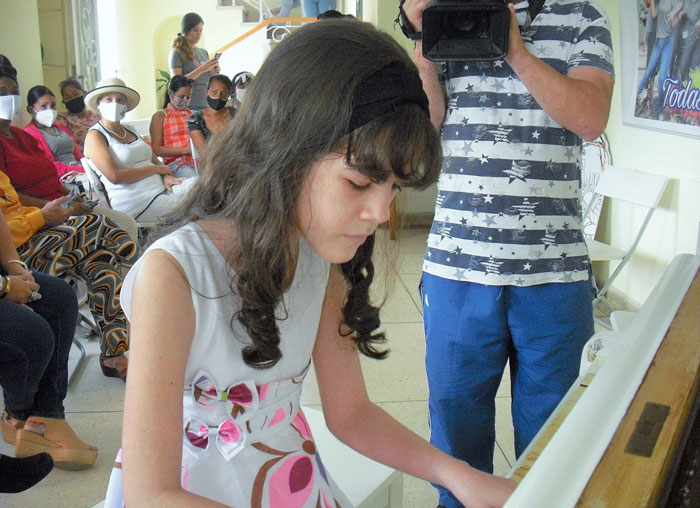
[[391, 86]]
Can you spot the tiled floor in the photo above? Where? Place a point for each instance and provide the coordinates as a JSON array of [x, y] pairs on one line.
[[397, 384]]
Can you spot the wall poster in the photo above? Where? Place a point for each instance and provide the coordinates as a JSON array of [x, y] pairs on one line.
[[660, 42]]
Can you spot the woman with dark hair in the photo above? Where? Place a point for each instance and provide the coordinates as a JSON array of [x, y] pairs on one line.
[[216, 116], [60, 148], [53, 138], [191, 61], [170, 138], [54, 237], [78, 118], [268, 264]]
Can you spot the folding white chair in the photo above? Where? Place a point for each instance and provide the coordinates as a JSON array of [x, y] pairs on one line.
[[195, 156], [84, 317], [641, 189], [99, 192]]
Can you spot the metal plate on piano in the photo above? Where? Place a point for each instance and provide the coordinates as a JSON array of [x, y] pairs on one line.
[[646, 433]]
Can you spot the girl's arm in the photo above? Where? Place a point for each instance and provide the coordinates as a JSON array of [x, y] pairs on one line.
[[96, 149], [371, 431], [162, 328], [158, 140]]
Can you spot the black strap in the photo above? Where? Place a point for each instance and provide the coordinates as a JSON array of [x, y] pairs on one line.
[[389, 87], [536, 7]]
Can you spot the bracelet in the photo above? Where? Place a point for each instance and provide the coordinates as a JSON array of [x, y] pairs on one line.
[[6, 287], [19, 262]]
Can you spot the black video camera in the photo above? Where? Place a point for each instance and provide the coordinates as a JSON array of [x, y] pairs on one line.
[[455, 30]]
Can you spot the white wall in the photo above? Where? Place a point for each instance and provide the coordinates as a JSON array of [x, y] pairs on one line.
[[145, 31], [20, 42]]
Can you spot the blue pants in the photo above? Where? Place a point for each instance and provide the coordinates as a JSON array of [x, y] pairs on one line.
[[471, 331], [661, 55], [313, 8], [34, 347], [286, 7]]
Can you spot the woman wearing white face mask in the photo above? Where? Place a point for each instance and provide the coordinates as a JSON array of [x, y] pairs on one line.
[[170, 138], [136, 181], [241, 81], [53, 138], [32, 172]]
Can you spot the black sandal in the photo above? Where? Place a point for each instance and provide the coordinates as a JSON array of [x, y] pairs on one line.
[[112, 371]]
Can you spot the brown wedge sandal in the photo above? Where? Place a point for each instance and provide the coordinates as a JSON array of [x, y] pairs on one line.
[[9, 426], [56, 437]]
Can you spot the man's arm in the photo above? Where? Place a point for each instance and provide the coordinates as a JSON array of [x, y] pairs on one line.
[[432, 87], [579, 101], [426, 69]]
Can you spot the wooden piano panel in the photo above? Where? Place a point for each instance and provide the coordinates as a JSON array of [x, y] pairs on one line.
[[534, 452], [623, 479]]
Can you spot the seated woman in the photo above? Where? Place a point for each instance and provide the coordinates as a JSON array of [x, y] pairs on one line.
[[216, 116], [53, 138], [136, 181], [38, 313], [78, 119], [33, 172], [170, 138], [89, 246]]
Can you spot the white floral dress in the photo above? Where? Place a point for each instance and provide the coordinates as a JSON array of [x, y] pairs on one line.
[[245, 440]]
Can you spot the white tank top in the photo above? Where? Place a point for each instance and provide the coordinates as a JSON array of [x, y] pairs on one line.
[[216, 347], [235, 416], [132, 198]]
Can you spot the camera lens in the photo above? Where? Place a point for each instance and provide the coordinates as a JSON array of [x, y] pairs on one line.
[[466, 25]]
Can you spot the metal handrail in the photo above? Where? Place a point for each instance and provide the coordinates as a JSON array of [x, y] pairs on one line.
[[259, 27]]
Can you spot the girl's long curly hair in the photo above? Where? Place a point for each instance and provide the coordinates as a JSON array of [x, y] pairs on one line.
[[297, 110]]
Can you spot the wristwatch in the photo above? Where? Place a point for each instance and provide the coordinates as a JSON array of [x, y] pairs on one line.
[[406, 26]]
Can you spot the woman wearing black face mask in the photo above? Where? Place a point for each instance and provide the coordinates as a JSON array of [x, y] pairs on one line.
[[215, 116], [78, 118]]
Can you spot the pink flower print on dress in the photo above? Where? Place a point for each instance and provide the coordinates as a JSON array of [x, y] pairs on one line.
[[278, 417], [288, 482], [293, 479], [291, 485], [301, 425]]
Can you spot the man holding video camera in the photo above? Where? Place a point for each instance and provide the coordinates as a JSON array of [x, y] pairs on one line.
[[506, 271]]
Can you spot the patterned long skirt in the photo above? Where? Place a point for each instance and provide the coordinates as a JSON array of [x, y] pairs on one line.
[[93, 248]]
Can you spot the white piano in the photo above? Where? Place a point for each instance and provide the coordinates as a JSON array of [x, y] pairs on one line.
[[616, 438]]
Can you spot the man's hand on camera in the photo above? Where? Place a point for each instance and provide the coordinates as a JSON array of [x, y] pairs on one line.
[[413, 9]]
